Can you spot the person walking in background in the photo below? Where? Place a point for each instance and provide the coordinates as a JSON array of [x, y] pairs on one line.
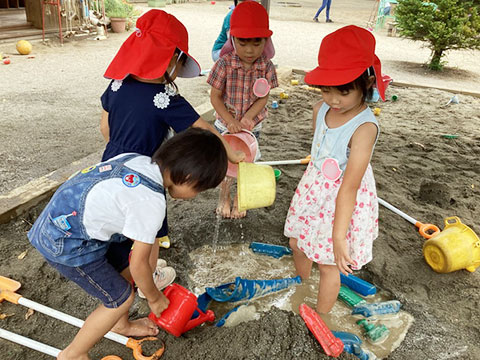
[[327, 4], [223, 36]]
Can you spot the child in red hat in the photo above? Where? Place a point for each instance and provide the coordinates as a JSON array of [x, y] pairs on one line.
[[333, 216], [243, 65], [141, 104]]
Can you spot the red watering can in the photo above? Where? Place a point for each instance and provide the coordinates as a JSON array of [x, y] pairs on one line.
[[177, 318]]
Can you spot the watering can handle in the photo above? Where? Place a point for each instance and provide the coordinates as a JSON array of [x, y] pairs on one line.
[[452, 220], [427, 230]]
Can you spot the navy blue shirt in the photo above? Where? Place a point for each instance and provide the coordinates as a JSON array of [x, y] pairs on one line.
[[140, 115]]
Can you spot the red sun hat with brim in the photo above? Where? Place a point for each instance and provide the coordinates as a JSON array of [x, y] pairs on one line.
[[147, 52], [249, 20], [344, 55]]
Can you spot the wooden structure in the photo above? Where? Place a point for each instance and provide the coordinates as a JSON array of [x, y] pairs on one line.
[[12, 4]]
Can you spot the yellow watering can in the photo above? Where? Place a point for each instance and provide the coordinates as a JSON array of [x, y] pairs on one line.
[[457, 247]]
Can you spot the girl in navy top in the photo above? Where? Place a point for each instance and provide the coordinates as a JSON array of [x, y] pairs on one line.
[[141, 103]]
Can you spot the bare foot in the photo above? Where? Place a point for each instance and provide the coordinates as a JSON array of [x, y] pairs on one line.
[[138, 327], [223, 207], [235, 213], [64, 355]]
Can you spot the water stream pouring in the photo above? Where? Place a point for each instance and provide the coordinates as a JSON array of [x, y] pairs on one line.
[[177, 318]]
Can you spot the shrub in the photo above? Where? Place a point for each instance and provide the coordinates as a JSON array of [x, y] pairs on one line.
[[444, 24], [118, 9]]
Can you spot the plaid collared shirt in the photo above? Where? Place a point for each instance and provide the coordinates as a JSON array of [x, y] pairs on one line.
[[236, 83]]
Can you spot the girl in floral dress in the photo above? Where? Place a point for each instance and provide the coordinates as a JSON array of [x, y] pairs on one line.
[[333, 216], [141, 104]]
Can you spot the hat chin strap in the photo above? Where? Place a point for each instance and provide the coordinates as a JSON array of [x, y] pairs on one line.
[[175, 66]]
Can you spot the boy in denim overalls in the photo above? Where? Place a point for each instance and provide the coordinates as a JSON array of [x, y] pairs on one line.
[[87, 229]]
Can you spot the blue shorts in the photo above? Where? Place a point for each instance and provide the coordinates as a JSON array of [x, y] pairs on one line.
[[101, 278]]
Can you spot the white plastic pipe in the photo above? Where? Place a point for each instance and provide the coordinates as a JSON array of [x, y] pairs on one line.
[[281, 162], [67, 318], [397, 211], [32, 344]]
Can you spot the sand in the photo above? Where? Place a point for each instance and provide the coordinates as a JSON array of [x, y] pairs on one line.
[[49, 122]]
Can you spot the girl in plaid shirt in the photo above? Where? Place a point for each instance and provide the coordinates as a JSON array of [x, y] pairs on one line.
[[244, 59]]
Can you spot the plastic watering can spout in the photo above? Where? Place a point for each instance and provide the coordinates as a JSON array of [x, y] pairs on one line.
[[200, 319]]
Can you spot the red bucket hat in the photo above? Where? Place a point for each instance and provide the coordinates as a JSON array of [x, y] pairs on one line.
[[250, 20], [148, 51], [344, 55]]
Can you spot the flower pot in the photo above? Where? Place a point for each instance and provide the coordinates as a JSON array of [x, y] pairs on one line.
[[118, 24]]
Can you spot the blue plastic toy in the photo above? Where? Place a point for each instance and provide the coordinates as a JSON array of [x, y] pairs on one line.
[[381, 308], [245, 289], [356, 284], [351, 344], [276, 251], [224, 318]]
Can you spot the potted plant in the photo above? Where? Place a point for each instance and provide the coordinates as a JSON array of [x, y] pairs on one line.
[[119, 11]]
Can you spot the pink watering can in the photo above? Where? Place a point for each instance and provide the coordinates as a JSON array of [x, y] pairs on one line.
[[177, 318]]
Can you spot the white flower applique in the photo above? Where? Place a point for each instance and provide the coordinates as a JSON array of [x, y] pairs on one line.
[[161, 100], [116, 84], [170, 90]]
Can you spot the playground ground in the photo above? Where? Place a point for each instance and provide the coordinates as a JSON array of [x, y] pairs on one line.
[[50, 111]]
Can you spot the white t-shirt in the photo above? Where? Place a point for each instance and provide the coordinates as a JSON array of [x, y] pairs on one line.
[[111, 207]]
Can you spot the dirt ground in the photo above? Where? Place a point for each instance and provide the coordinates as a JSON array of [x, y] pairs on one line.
[[48, 122]]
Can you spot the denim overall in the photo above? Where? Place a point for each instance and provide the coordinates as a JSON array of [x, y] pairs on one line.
[[59, 234]]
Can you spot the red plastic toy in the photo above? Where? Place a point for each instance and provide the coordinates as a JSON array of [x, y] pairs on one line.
[[332, 345], [177, 318]]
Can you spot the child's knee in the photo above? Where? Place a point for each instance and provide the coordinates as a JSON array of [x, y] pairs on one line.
[[129, 301], [293, 244], [329, 270]]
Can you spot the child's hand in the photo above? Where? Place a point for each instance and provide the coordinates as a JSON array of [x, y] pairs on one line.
[[247, 123], [159, 304], [234, 127], [342, 258]]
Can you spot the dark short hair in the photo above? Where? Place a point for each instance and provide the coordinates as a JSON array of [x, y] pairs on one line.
[[250, 39], [360, 83], [194, 156]]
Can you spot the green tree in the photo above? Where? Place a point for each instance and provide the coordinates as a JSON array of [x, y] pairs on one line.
[[444, 24]]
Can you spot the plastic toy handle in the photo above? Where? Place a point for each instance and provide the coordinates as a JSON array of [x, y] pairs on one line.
[[306, 160], [168, 290], [452, 220], [10, 296], [427, 230], [136, 346]]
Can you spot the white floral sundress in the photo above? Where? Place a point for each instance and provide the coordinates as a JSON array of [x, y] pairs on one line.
[[312, 211]]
